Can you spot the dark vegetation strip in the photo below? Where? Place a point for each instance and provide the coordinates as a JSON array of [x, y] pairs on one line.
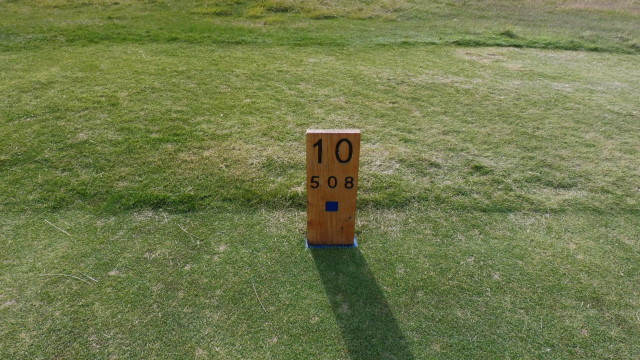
[[86, 37]]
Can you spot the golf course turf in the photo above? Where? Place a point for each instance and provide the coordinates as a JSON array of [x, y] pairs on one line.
[[153, 196]]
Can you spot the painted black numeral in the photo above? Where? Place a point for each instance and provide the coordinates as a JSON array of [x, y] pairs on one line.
[[332, 182], [318, 144], [350, 153], [348, 182], [314, 182]]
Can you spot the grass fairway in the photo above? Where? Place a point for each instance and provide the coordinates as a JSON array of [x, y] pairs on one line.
[[152, 180]]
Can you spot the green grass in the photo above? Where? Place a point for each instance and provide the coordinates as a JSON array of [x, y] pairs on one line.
[[152, 187]]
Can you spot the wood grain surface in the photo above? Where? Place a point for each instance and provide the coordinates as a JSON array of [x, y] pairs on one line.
[[332, 184]]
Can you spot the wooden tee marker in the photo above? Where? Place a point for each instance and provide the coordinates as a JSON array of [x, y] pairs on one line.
[[332, 184]]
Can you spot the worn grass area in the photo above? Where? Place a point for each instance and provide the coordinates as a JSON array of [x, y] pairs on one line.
[[203, 126], [152, 179]]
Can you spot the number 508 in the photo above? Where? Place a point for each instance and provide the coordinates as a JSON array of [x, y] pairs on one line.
[[332, 182]]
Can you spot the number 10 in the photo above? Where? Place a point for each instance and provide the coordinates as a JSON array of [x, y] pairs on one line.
[[318, 144]]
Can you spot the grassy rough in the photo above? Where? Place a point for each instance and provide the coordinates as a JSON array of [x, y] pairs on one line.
[[152, 179]]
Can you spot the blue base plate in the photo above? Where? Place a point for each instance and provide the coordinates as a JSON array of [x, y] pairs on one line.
[[309, 246]]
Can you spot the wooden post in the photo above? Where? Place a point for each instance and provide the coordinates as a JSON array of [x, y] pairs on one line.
[[332, 184]]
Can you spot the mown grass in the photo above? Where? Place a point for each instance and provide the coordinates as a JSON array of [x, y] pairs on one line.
[[152, 179], [423, 285]]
